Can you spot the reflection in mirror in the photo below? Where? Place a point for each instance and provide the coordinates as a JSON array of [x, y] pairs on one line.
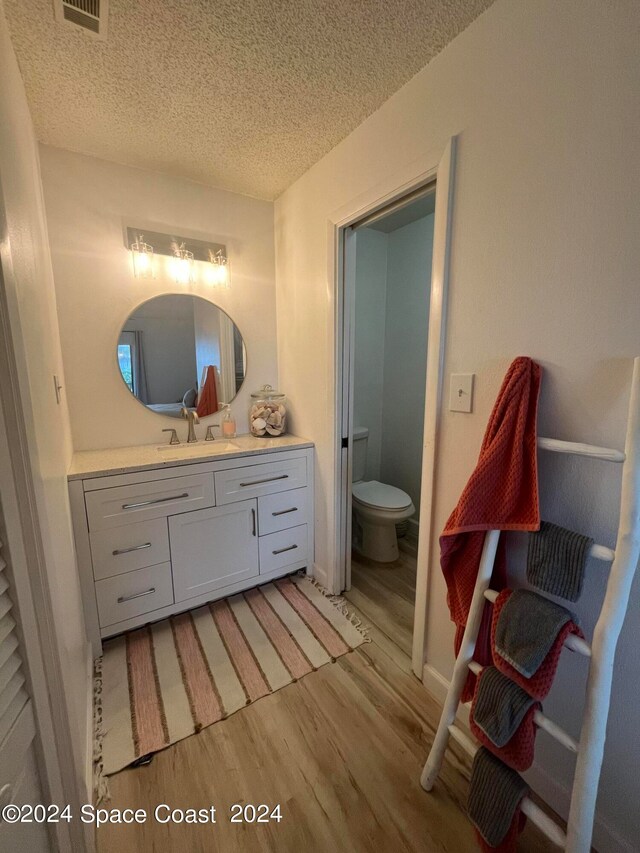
[[178, 350]]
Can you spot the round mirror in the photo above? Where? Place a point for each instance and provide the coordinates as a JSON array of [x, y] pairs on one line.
[[180, 351]]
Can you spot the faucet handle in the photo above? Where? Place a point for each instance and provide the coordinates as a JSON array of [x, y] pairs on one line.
[[210, 436], [174, 436], [190, 414]]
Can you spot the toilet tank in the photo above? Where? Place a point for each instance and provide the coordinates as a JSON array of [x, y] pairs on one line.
[[360, 436]]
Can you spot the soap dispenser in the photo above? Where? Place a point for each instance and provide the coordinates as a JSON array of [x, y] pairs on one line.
[[228, 423]]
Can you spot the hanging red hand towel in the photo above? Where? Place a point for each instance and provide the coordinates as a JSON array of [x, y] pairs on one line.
[[502, 494], [208, 401]]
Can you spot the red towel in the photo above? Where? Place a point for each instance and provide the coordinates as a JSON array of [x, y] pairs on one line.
[[510, 842], [540, 683], [208, 399], [502, 494]]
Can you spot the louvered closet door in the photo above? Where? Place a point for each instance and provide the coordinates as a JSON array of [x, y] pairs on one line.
[[13, 695], [19, 773]]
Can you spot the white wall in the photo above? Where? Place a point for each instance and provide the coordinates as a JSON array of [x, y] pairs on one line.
[[28, 281], [545, 260], [405, 364], [368, 370], [392, 281], [88, 201]]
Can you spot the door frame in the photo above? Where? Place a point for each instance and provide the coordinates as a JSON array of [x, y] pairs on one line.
[[438, 169], [39, 647]]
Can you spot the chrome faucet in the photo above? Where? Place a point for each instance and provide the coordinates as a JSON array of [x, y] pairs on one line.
[[192, 419]]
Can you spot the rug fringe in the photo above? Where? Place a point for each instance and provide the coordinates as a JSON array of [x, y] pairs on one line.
[[100, 783], [340, 604]]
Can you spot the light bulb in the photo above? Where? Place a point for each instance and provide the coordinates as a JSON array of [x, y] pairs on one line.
[[142, 262], [142, 255], [218, 270], [183, 266]]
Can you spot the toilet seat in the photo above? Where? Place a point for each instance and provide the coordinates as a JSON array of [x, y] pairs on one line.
[[380, 495]]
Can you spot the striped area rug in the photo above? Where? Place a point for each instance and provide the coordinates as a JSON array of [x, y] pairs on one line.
[[163, 682]]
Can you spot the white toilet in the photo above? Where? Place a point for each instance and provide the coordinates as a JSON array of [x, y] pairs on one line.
[[377, 508]]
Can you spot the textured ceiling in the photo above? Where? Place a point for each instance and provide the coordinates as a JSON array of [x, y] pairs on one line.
[[240, 94]]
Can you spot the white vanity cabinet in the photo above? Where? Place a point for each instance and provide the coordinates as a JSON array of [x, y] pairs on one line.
[[171, 537]]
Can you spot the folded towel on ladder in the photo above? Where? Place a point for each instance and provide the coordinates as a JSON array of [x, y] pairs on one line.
[[501, 494], [495, 795], [502, 718], [527, 635], [556, 558]]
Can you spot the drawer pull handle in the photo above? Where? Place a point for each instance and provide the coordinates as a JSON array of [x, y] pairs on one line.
[[124, 598], [285, 511], [156, 501], [253, 522], [282, 550], [120, 551], [266, 480]]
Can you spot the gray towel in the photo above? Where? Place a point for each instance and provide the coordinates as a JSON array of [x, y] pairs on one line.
[[500, 706], [556, 558], [527, 629], [495, 793]]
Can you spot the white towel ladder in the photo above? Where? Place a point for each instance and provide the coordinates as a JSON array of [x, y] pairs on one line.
[[602, 650]]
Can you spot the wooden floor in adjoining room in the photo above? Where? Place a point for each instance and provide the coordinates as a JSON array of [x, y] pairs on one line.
[[385, 594], [341, 750]]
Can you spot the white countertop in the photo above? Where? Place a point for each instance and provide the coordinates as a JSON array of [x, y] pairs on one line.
[[123, 460]]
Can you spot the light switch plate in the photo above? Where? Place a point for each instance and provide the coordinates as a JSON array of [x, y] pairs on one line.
[[461, 393]]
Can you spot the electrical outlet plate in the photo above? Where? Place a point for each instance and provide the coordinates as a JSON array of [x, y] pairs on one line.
[[461, 392]]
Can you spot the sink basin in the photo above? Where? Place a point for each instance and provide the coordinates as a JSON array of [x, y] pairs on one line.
[[202, 448]]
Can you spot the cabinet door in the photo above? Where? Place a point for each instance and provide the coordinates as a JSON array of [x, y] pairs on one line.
[[212, 548]]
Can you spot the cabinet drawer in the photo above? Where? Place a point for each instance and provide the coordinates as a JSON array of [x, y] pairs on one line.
[[127, 504], [123, 549], [278, 550], [133, 594], [252, 481], [282, 510]]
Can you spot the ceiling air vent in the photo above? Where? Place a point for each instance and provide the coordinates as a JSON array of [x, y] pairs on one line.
[[87, 15]]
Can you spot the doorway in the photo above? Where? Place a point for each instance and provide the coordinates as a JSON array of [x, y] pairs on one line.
[[388, 261], [394, 192]]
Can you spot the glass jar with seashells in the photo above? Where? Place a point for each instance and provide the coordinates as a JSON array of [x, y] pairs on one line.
[[268, 412]]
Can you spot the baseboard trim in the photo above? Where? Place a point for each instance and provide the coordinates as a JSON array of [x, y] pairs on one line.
[[409, 542], [320, 574], [437, 685], [605, 839], [414, 529]]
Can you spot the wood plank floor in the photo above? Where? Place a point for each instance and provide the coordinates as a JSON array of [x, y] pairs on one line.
[[385, 593], [341, 750]]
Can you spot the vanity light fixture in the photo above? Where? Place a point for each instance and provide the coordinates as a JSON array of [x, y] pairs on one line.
[[182, 253], [218, 274], [142, 256], [183, 265]]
